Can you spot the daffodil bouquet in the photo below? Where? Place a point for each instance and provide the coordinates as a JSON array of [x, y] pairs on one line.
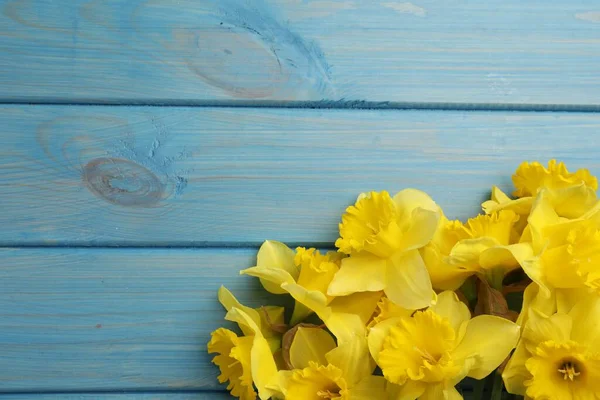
[[412, 303]]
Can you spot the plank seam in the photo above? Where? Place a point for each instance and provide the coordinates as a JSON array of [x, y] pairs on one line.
[[323, 105]]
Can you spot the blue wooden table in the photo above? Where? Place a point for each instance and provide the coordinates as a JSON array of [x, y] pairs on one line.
[[147, 147]]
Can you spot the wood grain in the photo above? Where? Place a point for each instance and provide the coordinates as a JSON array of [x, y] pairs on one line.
[[165, 51], [216, 176], [88, 319]]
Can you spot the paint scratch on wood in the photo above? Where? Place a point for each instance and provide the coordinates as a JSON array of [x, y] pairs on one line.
[[407, 8], [591, 16]]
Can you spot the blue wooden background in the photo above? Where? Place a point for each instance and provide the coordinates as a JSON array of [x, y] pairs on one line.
[[149, 146]]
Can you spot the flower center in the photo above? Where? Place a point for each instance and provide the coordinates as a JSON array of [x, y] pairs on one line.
[[328, 394], [426, 356], [369, 225], [418, 349], [569, 370]]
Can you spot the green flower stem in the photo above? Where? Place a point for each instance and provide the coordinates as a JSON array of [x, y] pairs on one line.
[[478, 389], [495, 277], [497, 387]]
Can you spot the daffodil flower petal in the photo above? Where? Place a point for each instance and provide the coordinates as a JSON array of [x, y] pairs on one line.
[[370, 387], [586, 322], [567, 298], [421, 228], [573, 201], [443, 276], [271, 315], [520, 251], [515, 373], [542, 215], [533, 269], [420, 215], [312, 299], [228, 300], [278, 385], [498, 195], [233, 361], [504, 256], [489, 339], [466, 253], [362, 304], [553, 262], [500, 201], [433, 392], [262, 364], [452, 394], [276, 255], [353, 358], [533, 299], [531, 176], [344, 326], [275, 276], [411, 390], [310, 344], [449, 306], [408, 200], [359, 273], [540, 328], [408, 283], [377, 335]]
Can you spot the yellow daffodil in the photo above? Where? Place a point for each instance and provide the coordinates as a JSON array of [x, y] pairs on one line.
[[267, 319], [341, 373], [425, 355], [484, 246], [571, 194], [491, 251], [233, 360], [345, 316], [263, 368], [436, 255], [500, 201], [249, 358], [310, 270], [386, 310], [565, 253], [382, 235], [530, 177], [558, 356]]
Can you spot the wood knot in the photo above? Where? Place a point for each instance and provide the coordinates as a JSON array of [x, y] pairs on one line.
[[123, 182]]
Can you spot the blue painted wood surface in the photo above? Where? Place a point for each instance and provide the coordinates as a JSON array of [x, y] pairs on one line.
[[116, 318], [170, 51], [81, 318], [121, 396], [210, 176]]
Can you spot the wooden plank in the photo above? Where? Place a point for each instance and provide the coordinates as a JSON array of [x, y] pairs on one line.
[[122, 51], [120, 396], [92, 319], [220, 176], [131, 396]]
